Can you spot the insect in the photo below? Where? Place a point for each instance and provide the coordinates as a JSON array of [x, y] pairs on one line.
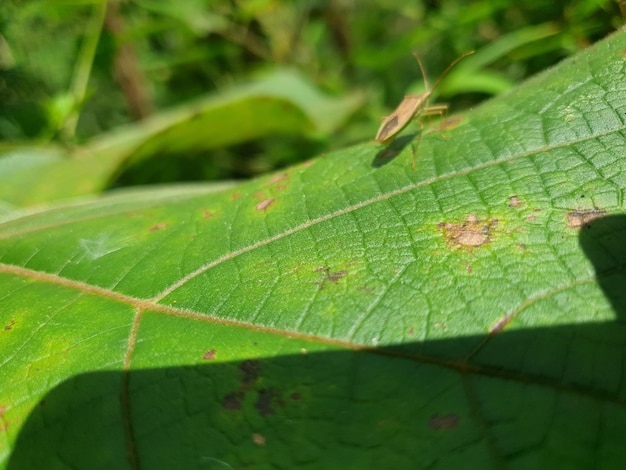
[[413, 106]]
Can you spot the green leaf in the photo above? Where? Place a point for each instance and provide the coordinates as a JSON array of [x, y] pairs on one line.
[[278, 103], [351, 312], [471, 74]]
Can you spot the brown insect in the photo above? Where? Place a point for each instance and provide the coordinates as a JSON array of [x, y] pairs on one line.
[[413, 106]]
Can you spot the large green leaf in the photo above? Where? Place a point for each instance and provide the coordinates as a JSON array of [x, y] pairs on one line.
[[352, 312]]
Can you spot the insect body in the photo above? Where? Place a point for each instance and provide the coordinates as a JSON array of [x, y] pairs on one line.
[[412, 106]]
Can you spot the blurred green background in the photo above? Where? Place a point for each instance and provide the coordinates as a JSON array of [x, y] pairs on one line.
[[74, 72]]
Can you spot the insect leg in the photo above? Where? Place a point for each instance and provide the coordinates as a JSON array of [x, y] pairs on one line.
[[440, 110], [417, 144]]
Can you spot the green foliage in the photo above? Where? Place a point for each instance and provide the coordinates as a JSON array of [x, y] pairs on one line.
[[347, 312], [280, 102], [181, 52]]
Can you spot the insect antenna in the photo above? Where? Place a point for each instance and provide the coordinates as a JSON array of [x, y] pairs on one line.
[[445, 72], [422, 69]]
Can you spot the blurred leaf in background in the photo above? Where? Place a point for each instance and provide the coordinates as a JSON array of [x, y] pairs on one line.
[[74, 76]]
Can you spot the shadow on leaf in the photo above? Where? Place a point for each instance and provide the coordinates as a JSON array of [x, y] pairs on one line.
[[391, 151]]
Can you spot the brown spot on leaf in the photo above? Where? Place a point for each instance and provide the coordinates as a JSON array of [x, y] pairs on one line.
[[232, 401], [514, 201], [471, 233], [449, 421], [295, 396], [4, 423], [9, 326], [249, 374], [258, 439], [365, 289], [264, 204], [450, 123], [236, 195], [577, 219], [207, 214], [157, 227], [277, 179], [209, 355], [266, 400], [250, 370], [330, 276], [335, 276]]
